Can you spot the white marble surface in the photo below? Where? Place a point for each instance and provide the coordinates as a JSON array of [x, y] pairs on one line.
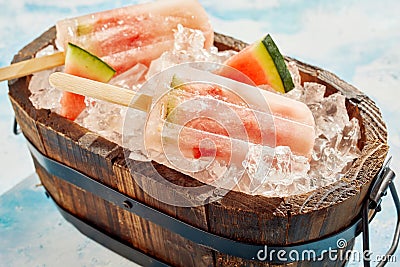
[[357, 40]]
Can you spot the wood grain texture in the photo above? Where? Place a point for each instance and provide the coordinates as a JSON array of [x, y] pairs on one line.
[[32, 65], [253, 219], [101, 91]]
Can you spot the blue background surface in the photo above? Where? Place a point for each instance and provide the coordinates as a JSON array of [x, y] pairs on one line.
[[357, 40]]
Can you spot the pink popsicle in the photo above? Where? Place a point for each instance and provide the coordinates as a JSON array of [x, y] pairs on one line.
[[139, 33]]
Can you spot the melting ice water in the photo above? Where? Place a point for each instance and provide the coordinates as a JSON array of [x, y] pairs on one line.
[[335, 145]]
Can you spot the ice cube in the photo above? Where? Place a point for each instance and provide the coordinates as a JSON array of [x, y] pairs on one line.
[[313, 92], [332, 156], [132, 78], [48, 50], [133, 134], [331, 116], [350, 136], [43, 95], [188, 47], [294, 72], [257, 165], [276, 172], [298, 91], [188, 39], [103, 118]]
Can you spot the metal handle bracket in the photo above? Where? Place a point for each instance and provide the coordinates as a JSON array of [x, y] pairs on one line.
[[382, 183]]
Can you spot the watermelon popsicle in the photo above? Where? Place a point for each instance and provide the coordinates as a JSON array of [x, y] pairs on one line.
[[134, 34], [210, 118]]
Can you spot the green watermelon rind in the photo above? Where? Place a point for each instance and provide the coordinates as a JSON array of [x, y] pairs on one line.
[[173, 97], [279, 62], [84, 29], [89, 63]]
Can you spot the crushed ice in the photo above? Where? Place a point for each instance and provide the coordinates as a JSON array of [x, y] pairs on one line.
[[43, 95], [335, 146], [188, 47]]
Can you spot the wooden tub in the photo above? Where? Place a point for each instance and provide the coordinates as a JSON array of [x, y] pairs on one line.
[[255, 220]]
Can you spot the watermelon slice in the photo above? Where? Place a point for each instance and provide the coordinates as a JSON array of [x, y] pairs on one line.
[[126, 36], [81, 63], [263, 64]]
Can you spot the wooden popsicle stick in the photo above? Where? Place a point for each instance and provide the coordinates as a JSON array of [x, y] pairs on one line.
[[32, 65], [102, 91]]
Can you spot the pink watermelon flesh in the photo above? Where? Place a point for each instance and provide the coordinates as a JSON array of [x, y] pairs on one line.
[[72, 105], [263, 64]]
